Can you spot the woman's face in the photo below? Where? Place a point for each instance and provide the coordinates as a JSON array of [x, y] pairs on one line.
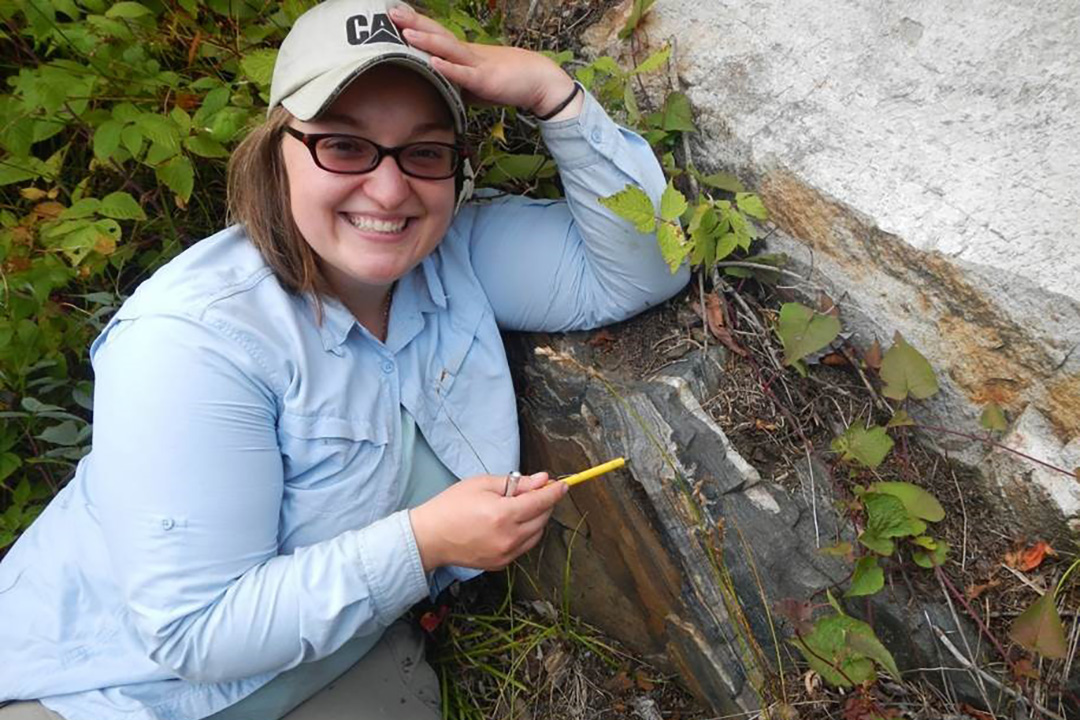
[[371, 229]]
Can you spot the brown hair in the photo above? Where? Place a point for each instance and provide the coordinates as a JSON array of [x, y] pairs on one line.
[[258, 198]]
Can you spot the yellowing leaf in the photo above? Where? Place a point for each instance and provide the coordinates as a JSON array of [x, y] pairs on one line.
[[803, 331], [906, 372], [916, 501], [866, 446], [900, 418], [993, 418], [498, 131], [672, 247], [1039, 629], [672, 203], [631, 203]]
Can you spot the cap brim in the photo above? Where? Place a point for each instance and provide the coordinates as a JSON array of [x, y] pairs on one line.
[[317, 95]]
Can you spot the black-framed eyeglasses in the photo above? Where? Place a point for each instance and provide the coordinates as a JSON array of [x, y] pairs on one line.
[[353, 155]]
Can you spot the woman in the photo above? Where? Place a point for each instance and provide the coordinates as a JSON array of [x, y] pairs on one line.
[[283, 411]]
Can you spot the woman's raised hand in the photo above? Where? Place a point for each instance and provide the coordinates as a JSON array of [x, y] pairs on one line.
[[488, 73], [472, 524]]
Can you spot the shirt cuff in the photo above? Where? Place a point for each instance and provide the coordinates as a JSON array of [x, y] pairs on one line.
[[582, 140], [391, 564]]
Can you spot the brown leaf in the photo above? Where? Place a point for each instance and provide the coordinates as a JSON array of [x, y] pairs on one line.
[[835, 359], [714, 319], [620, 683], [826, 306], [601, 338], [1024, 668], [48, 210], [644, 684], [194, 47], [872, 356], [974, 591], [975, 713]]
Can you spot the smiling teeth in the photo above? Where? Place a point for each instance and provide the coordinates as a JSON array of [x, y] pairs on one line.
[[372, 225]]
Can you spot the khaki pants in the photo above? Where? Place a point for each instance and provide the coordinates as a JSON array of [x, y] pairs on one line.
[[391, 682]]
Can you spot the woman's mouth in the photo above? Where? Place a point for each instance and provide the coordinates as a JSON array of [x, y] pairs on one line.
[[366, 223]]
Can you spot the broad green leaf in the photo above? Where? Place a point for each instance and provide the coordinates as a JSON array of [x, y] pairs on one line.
[[159, 153], [861, 639], [132, 139], [178, 175], [13, 170], [631, 203], [510, 166], [82, 209], [677, 114], [107, 139], [880, 545], [258, 66], [127, 10], [906, 372], [917, 501], [803, 331], [672, 245], [828, 651], [672, 203], [21, 493], [1039, 629], [205, 146], [866, 446], [161, 130], [65, 433], [900, 418], [886, 517], [121, 206], [654, 61], [227, 123], [932, 556], [723, 181], [993, 418], [182, 120], [9, 463], [867, 579], [751, 204]]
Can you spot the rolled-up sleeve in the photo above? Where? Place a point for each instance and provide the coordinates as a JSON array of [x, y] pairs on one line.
[[189, 497], [573, 264]]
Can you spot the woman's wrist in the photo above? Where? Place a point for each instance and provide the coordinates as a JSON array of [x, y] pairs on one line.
[[553, 104]]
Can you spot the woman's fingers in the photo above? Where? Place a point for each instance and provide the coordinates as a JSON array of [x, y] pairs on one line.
[[406, 17], [442, 46]]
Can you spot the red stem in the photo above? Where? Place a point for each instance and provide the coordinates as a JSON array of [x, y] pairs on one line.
[[998, 445]]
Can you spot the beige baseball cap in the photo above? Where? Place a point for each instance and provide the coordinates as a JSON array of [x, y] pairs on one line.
[[332, 44]]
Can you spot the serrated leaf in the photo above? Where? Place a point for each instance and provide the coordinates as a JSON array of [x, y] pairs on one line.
[[1039, 629], [906, 372], [803, 331], [723, 181], [993, 418], [121, 206], [179, 176], [917, 501], [131, 138], [866, 446], [127, 10], [654, 61], [678, 116], [886, 517], [750, 204], [107, 139], [81, 209], [14, 170], [205, 146], [258, 66], [672, 203], [161, 130], [631, 203], [867, 579], [672, 245]]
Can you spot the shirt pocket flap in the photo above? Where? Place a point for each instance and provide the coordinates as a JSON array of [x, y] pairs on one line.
[[310, 427]]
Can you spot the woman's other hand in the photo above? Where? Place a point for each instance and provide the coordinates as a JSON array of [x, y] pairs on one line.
[[492, 74], [472, 524]]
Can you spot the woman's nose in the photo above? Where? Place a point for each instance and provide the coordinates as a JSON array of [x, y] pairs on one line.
[[386, 184]]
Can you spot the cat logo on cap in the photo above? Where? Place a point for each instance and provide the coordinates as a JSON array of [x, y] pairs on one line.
[[382, 30]]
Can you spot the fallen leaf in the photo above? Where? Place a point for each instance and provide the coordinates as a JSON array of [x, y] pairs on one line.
[[975, 713], [826, 306], [1029, 558], [432, 619], [620, 683], [714, 320], [834, 359], [762, 425], [872, 357], [601, 338], [974, 591], [1023, 668], [644, 684]]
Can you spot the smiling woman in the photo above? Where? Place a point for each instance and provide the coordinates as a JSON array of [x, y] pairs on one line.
[[304, 423]]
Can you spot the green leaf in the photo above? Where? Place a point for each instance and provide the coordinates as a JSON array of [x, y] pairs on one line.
[[637, 11], [672, 244], [828, 651], [672, 203], [21, 493], [867, 579], [803, 331], [121, 206], [917, 501], [993, 418], [631, 203], [751, 205], [131, 138], [258, 66], [900, 418], [13, 170], [723, 181], [866, 446], [205, 146], [932, 556], [107, 139], [1039, 629], [227, 123], [161, 130], [906, 372], [179, 176], [861, 639], [654, 61], [84, 208], [66, 433], [127, 10], [9, 463], [510, 166], [880, 545], [886, 517], [677, 113]]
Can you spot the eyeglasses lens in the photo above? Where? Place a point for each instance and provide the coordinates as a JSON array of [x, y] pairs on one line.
[[346, 154]]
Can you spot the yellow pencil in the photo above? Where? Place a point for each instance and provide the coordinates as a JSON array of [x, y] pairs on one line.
[[594, 471]]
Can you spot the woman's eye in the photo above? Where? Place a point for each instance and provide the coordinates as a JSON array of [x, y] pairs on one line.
[[343, 145], [428, 152]]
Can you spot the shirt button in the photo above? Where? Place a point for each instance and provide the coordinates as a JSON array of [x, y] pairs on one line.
[[387, 367], [597, 135], [167, 523]]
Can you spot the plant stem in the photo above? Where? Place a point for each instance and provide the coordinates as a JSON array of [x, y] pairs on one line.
[[988, 441], [973, 615]]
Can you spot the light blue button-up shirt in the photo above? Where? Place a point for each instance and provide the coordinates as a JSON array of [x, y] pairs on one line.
[[238, 514]]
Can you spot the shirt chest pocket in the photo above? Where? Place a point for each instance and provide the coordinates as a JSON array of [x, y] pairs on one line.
[[330, 464]]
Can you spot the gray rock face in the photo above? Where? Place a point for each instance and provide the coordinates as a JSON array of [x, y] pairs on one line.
[[683, 554], [920, 160]]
